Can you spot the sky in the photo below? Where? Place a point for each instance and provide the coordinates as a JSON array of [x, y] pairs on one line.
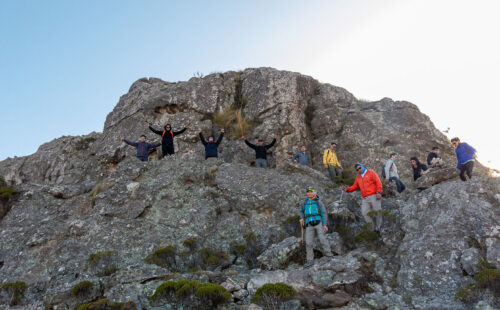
[[65, 63]]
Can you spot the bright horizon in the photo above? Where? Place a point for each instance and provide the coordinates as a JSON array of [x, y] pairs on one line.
[[66, 63]]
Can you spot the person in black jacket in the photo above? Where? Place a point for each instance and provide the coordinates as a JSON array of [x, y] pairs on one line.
[[418, 168], [260, 151], [211, 147], [433, 158], [167, 141]]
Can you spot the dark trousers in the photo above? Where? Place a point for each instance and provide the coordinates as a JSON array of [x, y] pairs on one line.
[[143, 158], [466, 168], [167, 149], [399, 185]]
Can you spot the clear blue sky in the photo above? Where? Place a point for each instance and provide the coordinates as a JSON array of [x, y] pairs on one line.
[[64, 64]]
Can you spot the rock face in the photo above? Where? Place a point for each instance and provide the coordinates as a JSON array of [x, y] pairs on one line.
[[88, 210]]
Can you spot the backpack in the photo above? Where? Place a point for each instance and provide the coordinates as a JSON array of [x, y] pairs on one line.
[[315, 211]]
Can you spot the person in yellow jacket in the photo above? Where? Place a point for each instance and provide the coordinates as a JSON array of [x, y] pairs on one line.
[[331, 161]]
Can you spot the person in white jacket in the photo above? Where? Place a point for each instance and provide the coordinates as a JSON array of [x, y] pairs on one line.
[[391, 172]]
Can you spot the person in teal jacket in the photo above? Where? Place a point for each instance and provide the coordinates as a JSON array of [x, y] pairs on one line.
[[314, 218], [466, 156]]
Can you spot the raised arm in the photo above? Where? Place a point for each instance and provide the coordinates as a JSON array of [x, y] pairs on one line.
[[202, 139], [155, 131], [271, 145], [180, 131], [154, 145], [250, 144], [219, 140]]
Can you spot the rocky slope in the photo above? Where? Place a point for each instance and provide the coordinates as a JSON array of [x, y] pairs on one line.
[[89, 211]]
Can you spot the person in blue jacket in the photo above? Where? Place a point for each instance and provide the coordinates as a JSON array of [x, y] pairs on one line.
[[142, 147], [211, 147], [466, 156], [302, 157]]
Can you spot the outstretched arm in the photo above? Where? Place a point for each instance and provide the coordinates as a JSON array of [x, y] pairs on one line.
[[155, 131], [202, 139], [180, 131], [154, 145], [134, 144], [250, 144]]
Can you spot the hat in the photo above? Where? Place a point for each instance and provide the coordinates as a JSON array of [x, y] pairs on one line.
[[309, 189]]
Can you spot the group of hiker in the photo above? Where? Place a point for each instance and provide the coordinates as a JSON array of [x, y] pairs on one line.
[[313, 215]]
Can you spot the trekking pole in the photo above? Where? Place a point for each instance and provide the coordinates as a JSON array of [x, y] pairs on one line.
[[302, 231], [238, 115]]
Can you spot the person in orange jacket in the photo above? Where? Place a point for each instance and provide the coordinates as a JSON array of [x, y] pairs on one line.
[[370, 186]]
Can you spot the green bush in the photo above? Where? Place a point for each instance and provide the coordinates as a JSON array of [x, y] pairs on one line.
[[488, 278], [16, 291], [192, 294], [6, 192], [96, 305], [271, 296], [237, 249], [109, 270], [164, 257], [129, 305], [213, 293], [190, 243], [211, 257], [366, 236], [385, 213], [82, 288]]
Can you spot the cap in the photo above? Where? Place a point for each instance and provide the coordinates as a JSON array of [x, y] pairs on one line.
[[310, 189]]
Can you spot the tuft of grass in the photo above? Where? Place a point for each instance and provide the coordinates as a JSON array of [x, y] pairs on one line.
[[16, 291], [95, 258], [385, 213], [109, 270], [84, 143], [99, 304], [367, 236], [237, 249], [164, 257], [190, 243], [82, 288]]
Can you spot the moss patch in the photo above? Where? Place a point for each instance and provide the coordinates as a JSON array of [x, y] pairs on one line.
[[95, 258], [82, 288], [109, 270], [16, 291]]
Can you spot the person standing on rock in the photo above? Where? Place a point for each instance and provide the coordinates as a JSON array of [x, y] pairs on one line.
[[370, 186], [418, 168], [260, 151], [433, 158], [466, 156], [302, 157], [391, 172], [331, 162], [142, 147], [167, 141], [312, 214], [211, 147]]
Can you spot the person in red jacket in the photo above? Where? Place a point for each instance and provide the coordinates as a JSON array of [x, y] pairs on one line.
[[370, 186]]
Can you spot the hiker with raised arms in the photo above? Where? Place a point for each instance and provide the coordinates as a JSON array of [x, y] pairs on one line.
[[167, 141], [260, 151], [314, 218], [370, 186], [211, 147], [390, 172], [466, 156], [142, 147], [331, 162]]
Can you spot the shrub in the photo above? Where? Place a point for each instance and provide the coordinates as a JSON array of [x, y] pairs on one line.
[[211, 258], [213, 293], [82, 288], [237, 249], [271, 296], [109, 270], [6, 192], [84, 143], [164, 257], [366, 236], [129, 305], [386, 214], [190, 243], [16, 291]]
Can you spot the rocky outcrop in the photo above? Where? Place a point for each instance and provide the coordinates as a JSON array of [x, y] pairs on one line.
[[89, 212]]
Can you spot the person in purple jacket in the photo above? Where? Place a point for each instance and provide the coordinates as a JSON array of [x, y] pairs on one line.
[[142, 147], [466, 156]]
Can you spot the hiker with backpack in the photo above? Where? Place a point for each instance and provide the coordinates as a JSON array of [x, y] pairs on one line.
[[331, 162], [418, 168], [390, 172], [211, 147], [302, 157], [167, 141], [314, 218], [466, 156], [260, 151], [142, 147], [370, 186], [433, 158]]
